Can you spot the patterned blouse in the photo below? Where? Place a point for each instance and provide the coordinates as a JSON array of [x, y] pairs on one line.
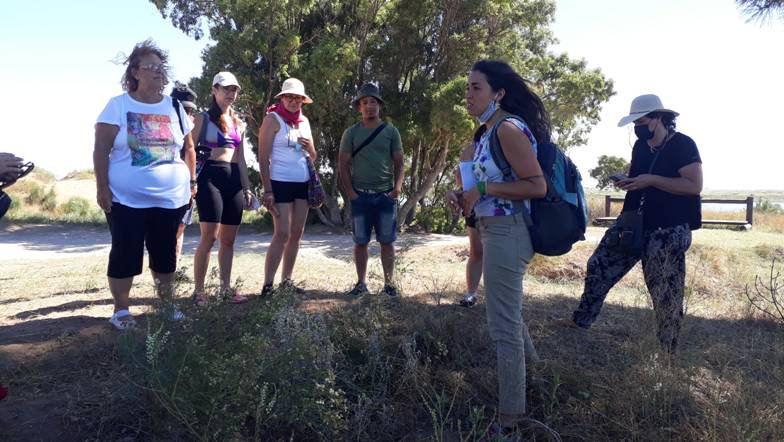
[[485, 169]]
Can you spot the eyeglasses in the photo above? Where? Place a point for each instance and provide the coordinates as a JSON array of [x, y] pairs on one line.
[[293, 97], [157, 67]]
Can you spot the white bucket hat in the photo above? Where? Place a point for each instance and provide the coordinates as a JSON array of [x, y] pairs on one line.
[[225, 79], [642, 106], [294, 87]]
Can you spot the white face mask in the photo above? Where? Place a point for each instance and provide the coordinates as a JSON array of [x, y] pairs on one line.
[[492, 106]]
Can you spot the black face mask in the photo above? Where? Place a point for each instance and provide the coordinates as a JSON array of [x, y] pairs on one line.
[[643, 132]]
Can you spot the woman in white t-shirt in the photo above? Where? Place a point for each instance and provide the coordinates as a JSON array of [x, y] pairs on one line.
[[143, 184], [285, 143]]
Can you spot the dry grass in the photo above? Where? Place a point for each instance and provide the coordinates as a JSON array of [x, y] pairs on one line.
[[433, 375]]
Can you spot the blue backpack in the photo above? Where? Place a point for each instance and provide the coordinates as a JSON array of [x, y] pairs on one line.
[[557, 220]]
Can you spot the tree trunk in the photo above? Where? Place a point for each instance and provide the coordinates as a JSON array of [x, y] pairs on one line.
[[427, 183]]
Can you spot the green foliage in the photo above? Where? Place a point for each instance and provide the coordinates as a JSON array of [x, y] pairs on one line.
[[221, 377], [38, 195], [417, 50], [766, 206], [608, 165], [83, 174]]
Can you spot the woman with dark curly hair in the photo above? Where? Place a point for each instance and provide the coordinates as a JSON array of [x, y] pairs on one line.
[[144, 186]]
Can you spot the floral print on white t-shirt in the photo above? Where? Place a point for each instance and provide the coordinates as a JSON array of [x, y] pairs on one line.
[[485, 169]]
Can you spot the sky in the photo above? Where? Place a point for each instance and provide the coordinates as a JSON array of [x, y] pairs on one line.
[[722, 73]]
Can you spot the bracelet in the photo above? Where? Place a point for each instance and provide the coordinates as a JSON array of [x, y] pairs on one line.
[[481, 186]]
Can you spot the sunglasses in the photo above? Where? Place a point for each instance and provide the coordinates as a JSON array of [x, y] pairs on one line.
[[24, 169], [157, 67]]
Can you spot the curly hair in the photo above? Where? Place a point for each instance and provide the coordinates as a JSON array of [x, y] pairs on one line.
[[129, 82]]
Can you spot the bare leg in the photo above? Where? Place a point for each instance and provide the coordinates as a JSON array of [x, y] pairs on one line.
[[180, 234], [201, 259], [164, 285], [360, 261], [387, 262], [121, 292], [474, 264], [298, 217], [227, 235], [280, 237]]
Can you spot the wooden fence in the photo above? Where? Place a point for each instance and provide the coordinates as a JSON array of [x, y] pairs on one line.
[[749, 202]]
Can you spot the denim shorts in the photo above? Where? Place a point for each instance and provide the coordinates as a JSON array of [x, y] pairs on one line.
[[374, 211]]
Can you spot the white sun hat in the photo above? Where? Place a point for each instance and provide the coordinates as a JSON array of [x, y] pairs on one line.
[[294, 87], [642, 106], [225, 79]]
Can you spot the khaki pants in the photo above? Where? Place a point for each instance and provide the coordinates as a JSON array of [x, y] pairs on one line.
[[507, 252]]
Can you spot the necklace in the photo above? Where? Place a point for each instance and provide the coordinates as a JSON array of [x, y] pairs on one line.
[[655, 149]]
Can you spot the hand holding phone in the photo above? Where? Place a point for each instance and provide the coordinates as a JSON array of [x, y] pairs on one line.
[[618, 177]]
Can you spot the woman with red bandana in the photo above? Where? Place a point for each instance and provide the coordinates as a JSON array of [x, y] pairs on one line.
[[285, 144]]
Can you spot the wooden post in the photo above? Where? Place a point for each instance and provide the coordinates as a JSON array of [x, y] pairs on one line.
[[749, 209], [607, 203]]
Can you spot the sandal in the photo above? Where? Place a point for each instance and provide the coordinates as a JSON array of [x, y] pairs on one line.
[[199, 299], [232, 296], [122, 320]]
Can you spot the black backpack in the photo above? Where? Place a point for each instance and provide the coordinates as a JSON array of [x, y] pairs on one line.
[[559, 219]]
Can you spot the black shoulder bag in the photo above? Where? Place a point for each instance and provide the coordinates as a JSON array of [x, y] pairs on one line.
[[370, 138], [629, 235]]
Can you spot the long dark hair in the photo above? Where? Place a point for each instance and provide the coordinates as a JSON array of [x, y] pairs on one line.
[[519, 99], [215, 113]]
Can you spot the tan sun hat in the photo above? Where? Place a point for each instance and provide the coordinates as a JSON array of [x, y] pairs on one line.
[[294, 87], [642, 106]]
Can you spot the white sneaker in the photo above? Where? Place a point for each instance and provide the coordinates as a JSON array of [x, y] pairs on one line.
[[468, 301]]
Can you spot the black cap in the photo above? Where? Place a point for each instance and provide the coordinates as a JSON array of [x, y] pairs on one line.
[[367, 90]]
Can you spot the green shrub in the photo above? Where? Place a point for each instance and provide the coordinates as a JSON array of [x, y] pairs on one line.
[[35, 194], [49, 200], [270, 372], [83, 174], [766, 206]]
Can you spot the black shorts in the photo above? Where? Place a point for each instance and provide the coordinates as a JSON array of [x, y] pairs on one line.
[[287, 192], [219, 197], [470, 220], [132, 229]]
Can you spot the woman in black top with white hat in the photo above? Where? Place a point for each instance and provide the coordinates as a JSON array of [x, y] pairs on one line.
[[663, 196]]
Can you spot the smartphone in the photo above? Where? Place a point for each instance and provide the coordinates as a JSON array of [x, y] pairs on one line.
[[618, 177]]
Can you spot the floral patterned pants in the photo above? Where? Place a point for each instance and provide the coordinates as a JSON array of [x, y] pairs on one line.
[[664, 268]]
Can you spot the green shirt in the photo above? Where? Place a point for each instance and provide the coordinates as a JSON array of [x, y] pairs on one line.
[[372, 168]]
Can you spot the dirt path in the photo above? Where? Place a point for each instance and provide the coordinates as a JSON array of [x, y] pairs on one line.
[[45, 242]]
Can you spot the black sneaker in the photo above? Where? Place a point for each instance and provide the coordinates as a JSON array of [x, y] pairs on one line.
[[288, 284], [468, 301], [390, 290], [359, 289], [266, 291]]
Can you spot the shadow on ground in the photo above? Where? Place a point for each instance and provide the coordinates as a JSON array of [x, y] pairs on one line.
[[60, 370]]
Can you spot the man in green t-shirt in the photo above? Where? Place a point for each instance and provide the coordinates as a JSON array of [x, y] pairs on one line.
[[371, 172]]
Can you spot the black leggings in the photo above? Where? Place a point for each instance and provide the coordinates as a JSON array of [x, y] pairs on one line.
[[219, 197]]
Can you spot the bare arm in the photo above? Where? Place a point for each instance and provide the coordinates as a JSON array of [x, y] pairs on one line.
[[397, 160], [688, 183], [520, 154], [104, 140], [269, 127], [344, 168]]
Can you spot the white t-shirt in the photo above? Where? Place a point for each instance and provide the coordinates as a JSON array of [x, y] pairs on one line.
[[288, 163], [145, 168]]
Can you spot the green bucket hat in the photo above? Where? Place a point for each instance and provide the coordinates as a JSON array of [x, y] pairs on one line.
[[367, 90]]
